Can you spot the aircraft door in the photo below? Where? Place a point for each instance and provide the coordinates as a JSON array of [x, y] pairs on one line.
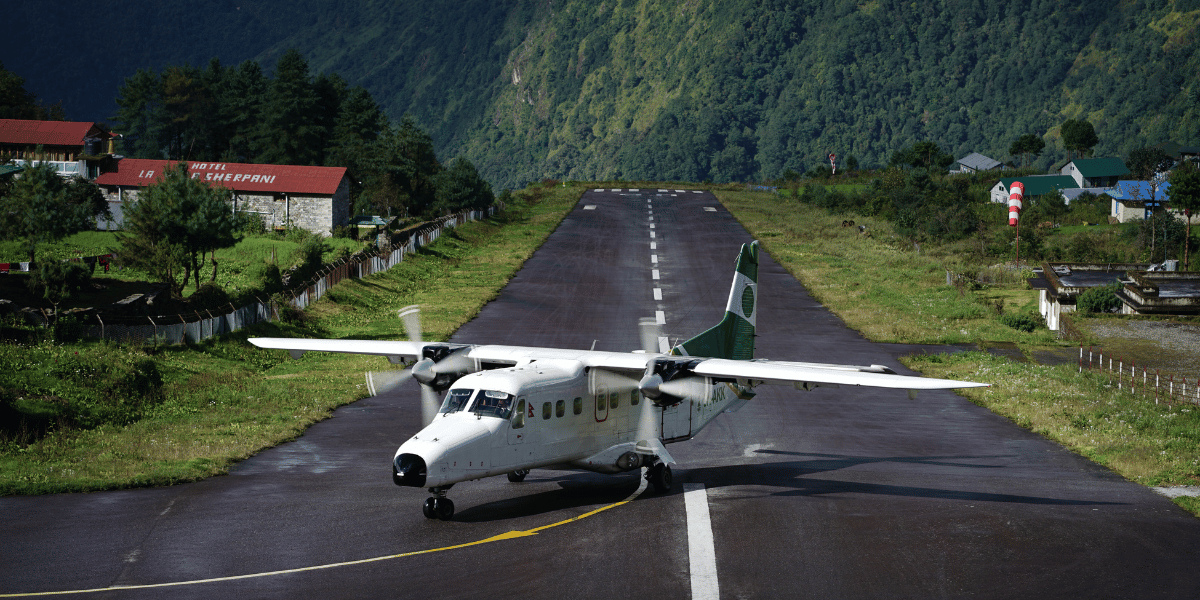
[[516, 424], [601, 402]]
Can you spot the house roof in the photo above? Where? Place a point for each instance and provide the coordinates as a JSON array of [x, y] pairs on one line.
[[1036, 185], [1101, 167], [978, 162], [287, 179], [1139, 191], [47, 133], [1176, 150]]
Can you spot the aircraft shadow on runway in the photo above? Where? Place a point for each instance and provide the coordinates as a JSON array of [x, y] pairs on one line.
[[576, 490], [579, 490], [790, 475]]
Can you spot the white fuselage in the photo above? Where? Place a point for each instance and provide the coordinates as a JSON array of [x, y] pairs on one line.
[[557, 415]]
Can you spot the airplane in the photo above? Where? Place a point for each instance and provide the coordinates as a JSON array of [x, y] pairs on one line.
[[510, 409]]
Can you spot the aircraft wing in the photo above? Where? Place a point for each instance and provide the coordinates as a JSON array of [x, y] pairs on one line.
[[394, 350], [798, 374]]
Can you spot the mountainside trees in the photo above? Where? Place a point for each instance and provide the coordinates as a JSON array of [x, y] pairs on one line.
[[294, 118], [728, 90]]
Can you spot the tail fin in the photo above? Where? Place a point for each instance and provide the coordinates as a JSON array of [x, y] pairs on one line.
[[733, 337]]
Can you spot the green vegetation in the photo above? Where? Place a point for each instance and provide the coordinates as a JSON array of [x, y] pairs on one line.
[[89, 415], [730, 90], [293, 118], [886, 288]]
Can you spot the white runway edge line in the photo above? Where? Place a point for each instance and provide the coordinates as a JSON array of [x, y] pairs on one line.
[[702, 557]]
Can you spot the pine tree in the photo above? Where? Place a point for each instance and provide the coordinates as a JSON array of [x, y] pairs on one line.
[[291, 131]]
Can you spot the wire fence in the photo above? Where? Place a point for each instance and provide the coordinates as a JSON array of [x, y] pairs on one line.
[[202, 325], [1139, 380]]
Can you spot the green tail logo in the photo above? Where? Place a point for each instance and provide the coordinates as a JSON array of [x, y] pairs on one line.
[[733, 337]]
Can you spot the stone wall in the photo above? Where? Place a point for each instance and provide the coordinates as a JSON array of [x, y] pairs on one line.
[[317, 213]]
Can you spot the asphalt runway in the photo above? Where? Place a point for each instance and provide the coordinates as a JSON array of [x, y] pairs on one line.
[[834, 493]]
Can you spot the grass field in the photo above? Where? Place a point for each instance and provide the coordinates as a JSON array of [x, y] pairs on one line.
[[236, 273], [221, 401]]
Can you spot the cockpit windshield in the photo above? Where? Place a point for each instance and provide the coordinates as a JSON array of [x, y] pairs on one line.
[[456, 400], [493, 404]]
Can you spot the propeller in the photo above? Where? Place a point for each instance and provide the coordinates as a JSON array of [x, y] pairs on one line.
[[439, 368], [649, 421]]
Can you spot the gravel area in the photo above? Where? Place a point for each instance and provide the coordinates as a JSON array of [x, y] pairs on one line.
[[1169, 347]]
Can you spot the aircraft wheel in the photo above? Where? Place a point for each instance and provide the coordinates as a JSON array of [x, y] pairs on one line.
[[662, 479], [518, 476], [429, 508], [443, 508]]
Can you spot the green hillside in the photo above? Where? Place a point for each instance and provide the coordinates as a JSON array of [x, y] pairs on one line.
[[729, 90]]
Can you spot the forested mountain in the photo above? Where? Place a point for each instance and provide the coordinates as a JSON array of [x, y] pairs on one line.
[[704, 89]]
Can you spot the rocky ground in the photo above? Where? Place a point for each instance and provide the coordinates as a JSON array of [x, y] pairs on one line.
[[1168, 346]]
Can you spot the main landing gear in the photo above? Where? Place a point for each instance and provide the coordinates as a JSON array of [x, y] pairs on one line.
[[439, 506], [659, 476]]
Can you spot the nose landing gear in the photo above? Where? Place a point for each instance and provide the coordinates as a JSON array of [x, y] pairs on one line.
[[439, 506]]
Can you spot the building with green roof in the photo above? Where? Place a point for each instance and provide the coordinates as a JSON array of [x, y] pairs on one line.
[[1035, 185], [1095, 172]]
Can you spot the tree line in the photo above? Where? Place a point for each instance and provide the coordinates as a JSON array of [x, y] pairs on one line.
[[292, 117]]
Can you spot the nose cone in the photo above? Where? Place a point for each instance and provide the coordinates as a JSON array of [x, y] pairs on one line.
[[409, 470]]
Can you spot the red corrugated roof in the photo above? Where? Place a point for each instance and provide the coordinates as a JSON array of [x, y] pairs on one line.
[[47, 133], [140, 172]]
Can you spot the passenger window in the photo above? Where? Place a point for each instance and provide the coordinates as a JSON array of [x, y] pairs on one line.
[[519, 417], [614, 400], [560, 408], [634, 398], [579, 406], [545, 410]]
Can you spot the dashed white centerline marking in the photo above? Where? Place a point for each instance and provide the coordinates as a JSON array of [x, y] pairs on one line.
[[590, 207], [654, 258], [653, 245], [710, 209], [651, 235], [702, 557], [679, 191], [634, 190], [664, 190], [658, 293], [654, 274], [697, 192], [616, 190], [598, 190], [652, 225], [660, 317]]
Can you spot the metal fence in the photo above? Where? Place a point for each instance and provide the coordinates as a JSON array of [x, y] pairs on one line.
[[1128, 376], [201, 325]]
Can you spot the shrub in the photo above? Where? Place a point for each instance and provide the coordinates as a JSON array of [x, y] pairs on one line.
[[1100, 299], [1020, 322]]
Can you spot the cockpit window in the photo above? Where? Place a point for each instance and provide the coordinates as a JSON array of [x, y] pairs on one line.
[[456, 400], [493, 404]]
